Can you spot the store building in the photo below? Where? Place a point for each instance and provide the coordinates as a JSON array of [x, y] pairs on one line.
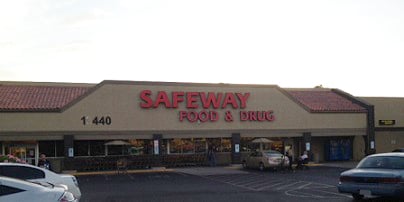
[[86, 126]]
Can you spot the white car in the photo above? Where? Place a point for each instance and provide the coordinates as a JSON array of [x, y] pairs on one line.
[[37, 174], [12, 189]]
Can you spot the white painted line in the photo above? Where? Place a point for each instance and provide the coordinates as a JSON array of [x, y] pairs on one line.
[[288, 185]]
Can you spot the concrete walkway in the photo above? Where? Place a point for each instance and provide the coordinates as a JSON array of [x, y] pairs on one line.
[[204, 171]]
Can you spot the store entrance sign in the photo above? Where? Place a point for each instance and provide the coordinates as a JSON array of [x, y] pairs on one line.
[[203, 106], [193, 100]]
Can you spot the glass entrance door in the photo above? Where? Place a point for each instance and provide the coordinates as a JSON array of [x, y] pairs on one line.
[[24, 152]]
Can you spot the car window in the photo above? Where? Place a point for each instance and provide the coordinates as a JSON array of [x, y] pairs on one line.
[[383, 162], [6, 190], [22, 172]]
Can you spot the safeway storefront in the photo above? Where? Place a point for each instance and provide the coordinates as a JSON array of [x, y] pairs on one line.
[[156, 121]]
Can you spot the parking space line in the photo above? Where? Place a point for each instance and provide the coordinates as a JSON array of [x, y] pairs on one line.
[[333, 193], [243, 179], [288, 185], [269, 186]]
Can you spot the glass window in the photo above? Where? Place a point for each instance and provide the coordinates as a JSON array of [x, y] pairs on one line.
[[118, 150], [97, 148], [200, 145], [22, 172], [81, 148], [214, 143], [245, 144], [226, 145], [137, 147], [60, 148], [220, 144], [6, 190], [175, 146], [47, 148], [187, 146]]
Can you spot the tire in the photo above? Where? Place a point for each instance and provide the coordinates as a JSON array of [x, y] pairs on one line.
[[261, 167], [357, 197]]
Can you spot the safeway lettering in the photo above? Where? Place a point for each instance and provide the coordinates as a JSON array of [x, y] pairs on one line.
[[193, 100]]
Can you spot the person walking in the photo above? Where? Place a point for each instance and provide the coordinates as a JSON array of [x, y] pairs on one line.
[[212, 156]]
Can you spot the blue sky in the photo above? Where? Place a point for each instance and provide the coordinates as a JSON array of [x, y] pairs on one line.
[[356, 46]]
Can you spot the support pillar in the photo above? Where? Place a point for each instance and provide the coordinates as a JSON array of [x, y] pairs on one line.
[[68, 163], [235, 151]]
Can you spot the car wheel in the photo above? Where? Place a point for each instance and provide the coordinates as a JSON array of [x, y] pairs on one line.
[[244, 164], [261, 167], [357, 197]]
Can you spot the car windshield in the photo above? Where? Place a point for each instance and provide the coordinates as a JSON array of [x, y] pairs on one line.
[[273, 153], [383, 162]]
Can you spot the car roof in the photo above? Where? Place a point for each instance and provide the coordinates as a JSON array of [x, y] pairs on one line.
[[394, 154]]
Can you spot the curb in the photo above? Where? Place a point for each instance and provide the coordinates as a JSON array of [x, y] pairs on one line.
[[115, 172]]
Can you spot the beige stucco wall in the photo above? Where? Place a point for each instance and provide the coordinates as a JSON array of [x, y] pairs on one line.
[[121, 101], [387, 141], [388, 109]]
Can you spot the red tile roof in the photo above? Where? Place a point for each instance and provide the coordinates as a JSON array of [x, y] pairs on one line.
[[37, 98], [324, 101]]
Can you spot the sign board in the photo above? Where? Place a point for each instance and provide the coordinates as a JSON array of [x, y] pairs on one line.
[[156, 147], [387, 122], [71, 152], [307, 146], [237, 148]]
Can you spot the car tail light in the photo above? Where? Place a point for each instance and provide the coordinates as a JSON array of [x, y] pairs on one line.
[[67, 197], [345, 179], [389, 180], [75, 181]]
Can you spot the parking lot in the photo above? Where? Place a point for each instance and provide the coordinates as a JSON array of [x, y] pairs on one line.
[[215, 184]]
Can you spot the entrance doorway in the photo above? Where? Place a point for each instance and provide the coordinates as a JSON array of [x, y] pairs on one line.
[[27, 152]]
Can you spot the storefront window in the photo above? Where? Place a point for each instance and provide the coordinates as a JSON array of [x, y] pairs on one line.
[[175, 146], [47, 148], [182, 146], [214, 143], [81, 148], [97, 148], [137, 147], [226, 145], [187, 146], [200, 145], [220, 144], [245, 144], [60, 148], [117, 150]]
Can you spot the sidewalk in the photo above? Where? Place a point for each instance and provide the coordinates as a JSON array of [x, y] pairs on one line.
[[336, 164], [204, 171]]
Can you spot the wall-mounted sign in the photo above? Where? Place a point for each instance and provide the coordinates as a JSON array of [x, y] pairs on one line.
[[387, 122], [70, 152], [207, 102], [237, 148], [156, 147]]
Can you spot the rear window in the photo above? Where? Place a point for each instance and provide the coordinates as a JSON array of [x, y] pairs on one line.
[[22, 172], [6, 190], [382, 162]]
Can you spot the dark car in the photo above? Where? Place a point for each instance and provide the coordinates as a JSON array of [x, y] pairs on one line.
[[376, 175], [398, 150]]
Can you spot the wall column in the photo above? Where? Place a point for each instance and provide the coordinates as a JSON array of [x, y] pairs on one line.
[[235, 148], [68, 163]]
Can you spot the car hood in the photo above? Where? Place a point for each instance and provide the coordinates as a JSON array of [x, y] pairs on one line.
[[373, 172]]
